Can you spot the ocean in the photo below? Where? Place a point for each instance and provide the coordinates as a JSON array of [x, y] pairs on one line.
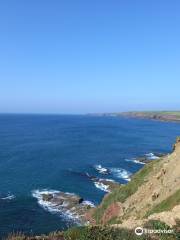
[[53, 152]]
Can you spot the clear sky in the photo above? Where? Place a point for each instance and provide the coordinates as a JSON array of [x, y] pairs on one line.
[[78, 56]]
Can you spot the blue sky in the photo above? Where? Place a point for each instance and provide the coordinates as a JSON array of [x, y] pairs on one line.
[[67, 56]]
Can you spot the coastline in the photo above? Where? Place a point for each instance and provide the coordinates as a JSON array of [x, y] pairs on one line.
[[152, 194], [74, 207], [78, 209], [163, 116], [145, 201]]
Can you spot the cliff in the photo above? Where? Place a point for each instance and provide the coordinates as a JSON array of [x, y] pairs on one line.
[[153, 194]]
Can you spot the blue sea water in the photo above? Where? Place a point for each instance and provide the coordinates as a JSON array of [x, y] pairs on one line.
[[45, 151]]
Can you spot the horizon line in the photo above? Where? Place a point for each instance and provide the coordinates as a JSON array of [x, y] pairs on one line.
[[88, 113]]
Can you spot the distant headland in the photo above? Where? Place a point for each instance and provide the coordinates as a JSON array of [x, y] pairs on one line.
[[170, 116]]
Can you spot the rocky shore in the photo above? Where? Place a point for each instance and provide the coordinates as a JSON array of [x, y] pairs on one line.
[[70, 205], [74, 206], [149, 157], [151, 199], [153, 194], [105, 184]]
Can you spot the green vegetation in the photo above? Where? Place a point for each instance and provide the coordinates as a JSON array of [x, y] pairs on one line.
[[167, 204], [114, 220], [104, 233], [86, 233], [158, 225], [155, 224], [121, 193]]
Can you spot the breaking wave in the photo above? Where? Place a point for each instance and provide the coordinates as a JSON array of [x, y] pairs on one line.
[[135, 161], [151, 156], [121, 173], [101, 169], [102, 186], [45, 204]]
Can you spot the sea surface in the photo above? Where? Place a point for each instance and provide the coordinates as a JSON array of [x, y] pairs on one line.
[[52, 152]]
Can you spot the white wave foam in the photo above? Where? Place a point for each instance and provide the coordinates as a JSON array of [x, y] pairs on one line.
[[134, 161], [45, 204], [88, 203], [101, 169], [107, 179], [151, 156], [121, 173], [102, 186], [8, 197], [69, 214]]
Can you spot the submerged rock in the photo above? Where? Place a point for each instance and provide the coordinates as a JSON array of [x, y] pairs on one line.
[[150, 157], [106, 185]]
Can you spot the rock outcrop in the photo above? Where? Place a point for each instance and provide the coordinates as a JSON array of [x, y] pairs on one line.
[[71, 205]]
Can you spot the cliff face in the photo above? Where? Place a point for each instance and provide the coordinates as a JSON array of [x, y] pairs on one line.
[[153, 194]]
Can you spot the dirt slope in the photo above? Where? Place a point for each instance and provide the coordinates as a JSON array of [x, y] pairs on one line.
[[157, 198]]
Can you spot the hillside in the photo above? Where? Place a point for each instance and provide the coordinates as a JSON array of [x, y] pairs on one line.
[[153, 194]]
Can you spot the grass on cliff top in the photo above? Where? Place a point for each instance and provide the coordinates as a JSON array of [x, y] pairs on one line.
[[121, 193], [161, 113], [173, 113], [101, 233], [158, 225], [166, 204], [84, 233]]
